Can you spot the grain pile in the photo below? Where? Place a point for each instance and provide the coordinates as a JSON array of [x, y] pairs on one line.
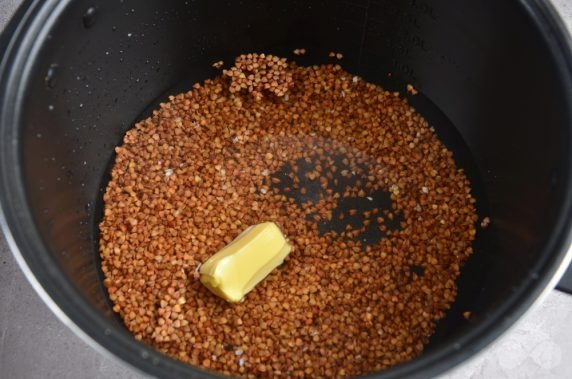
[[289, 146], [256, 73]]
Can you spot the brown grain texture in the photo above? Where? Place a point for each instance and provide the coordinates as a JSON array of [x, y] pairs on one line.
[[204, 167]]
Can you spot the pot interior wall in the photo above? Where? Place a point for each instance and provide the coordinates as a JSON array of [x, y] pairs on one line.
[[481, 66]]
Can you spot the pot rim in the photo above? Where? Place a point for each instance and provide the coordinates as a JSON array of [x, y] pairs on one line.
[[22, 40]]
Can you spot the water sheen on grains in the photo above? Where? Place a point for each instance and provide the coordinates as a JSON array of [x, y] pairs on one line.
[[207, 165]]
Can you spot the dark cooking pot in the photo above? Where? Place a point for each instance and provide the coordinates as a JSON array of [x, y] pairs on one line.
[[75, 75]]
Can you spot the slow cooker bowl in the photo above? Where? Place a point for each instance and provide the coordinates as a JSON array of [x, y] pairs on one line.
[[76, 75]]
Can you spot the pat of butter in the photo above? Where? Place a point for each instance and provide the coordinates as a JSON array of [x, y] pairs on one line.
[[241, 265]]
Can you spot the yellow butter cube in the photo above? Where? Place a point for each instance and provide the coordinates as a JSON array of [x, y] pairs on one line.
[[241, 265]]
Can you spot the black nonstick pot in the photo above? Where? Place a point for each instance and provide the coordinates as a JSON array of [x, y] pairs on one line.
[[495, 80]]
